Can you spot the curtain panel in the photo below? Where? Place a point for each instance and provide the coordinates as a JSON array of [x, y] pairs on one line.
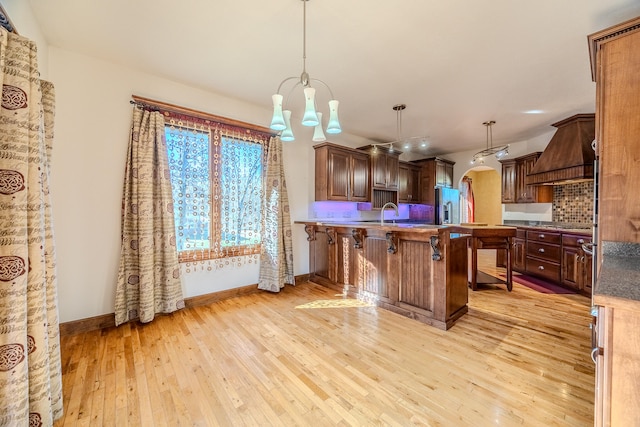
[[149, 275], [468, 202], [276, 256], [30, 366]]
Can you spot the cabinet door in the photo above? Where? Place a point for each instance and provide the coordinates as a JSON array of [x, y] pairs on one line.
[[587, 273], [403, 183], [414, 186], [524, 192], [392, 165], [530, 193], [359, 178], [338, 178], [572, 267], [519, 254], [379, 170], [509, 182], [618, 110], [444, 174]]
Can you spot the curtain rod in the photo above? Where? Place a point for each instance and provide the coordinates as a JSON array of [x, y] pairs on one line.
[[163, 106]]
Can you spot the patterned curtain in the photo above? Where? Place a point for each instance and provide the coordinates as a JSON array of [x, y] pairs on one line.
[[276, 256], [468, 203], [149, 276], [30, 368]]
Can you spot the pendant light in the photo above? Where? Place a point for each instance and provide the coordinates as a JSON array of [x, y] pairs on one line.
[[310, 117], [499, 152]]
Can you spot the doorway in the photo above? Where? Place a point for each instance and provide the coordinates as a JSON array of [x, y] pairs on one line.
[[486, 186]]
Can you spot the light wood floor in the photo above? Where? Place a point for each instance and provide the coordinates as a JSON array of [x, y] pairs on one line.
[[516, 359]]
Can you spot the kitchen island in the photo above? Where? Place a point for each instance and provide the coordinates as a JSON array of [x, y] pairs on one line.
[[419, 271]]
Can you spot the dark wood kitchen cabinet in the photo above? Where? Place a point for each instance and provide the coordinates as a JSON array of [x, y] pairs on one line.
[[514, 187], [342, 174], [576, 263], [519, 252], [543, 254], [434, 171], [408, 183], [384, 175]]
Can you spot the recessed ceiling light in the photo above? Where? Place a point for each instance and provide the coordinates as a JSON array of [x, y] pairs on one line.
[[533, 112]]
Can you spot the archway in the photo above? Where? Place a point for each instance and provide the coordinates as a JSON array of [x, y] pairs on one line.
[[486, 185]]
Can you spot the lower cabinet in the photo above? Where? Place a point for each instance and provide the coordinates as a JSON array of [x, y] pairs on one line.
[[543, 254], [616, 353], [576, 263], [553, 255]]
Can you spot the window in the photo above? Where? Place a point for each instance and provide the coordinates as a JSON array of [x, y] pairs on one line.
[[216, 180]]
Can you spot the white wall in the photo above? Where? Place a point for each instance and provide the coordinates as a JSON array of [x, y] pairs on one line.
[[93, 117]]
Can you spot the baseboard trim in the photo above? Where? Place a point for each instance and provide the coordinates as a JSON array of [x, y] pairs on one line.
[[109, 320]]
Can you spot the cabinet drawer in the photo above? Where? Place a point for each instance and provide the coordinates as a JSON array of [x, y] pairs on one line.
[[543, 268], [544, 250], [574, 239], [544, 236], [521, 233]]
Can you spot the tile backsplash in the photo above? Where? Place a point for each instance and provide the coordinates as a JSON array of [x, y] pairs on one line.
[[573, 203]]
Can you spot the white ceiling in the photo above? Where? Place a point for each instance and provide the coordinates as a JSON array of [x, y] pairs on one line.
[[454, 63]]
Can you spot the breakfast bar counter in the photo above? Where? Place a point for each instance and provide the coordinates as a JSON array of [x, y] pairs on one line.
[[416, 270]]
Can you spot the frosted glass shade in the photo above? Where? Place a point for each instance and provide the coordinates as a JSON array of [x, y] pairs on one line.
[[310, 117], [287, 133], [318, 134], [277, 121], [334, 125]]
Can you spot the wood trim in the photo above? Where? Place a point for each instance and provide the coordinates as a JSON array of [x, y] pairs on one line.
[[199, 114], [596, 39], [105, 321]]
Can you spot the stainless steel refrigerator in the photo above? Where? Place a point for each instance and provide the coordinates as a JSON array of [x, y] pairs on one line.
[[447, 209]]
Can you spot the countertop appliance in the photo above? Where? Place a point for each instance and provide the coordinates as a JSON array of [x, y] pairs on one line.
[[447, 209]]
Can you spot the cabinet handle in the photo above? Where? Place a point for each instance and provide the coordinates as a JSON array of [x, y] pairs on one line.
[[540, 267], [577, 257], [541, 250], [580, 241], [582, 258], [596, 351], [541, 236]]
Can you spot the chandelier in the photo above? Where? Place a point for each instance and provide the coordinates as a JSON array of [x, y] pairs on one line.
[[499, 152], [281, 120]]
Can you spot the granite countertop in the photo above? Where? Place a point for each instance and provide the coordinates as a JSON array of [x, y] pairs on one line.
[[564, 227], [388, 225], [619, 273]]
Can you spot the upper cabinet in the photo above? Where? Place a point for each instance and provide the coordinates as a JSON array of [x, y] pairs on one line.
[[514, 187], [615, 61], [384, 169], [408, 183], [342, 174], [384, 175], [434, 171]]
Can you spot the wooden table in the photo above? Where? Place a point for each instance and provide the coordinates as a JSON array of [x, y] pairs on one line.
[[487, 237]]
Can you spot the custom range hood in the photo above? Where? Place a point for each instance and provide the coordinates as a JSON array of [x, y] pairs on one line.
[[569, 156]]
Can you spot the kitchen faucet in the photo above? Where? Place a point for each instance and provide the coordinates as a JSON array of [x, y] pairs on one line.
[[390, 204]]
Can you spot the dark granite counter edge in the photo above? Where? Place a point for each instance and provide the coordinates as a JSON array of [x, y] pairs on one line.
[[620, 271]]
